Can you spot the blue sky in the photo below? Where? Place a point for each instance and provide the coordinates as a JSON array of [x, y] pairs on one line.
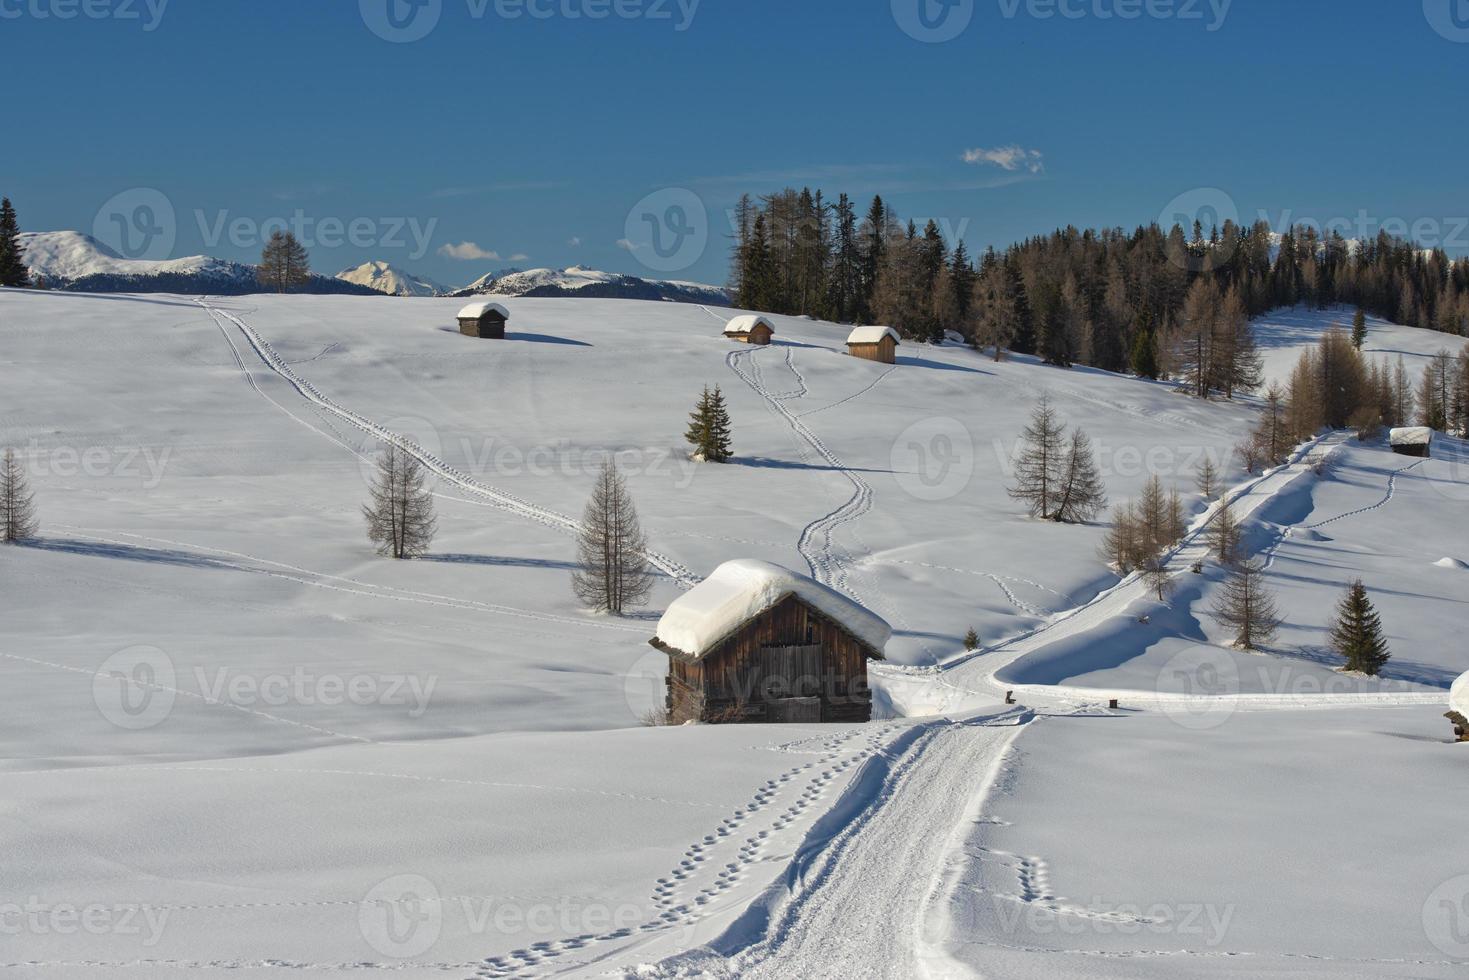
[[535, 138]]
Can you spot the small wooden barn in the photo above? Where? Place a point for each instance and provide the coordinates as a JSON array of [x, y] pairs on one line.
[[484, 319], [1414, 441], [756, 642], [750, 329], [875, 344]]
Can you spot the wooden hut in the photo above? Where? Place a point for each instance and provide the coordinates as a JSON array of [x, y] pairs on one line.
[[484, 319], [1415, 441], [756, 642], [750, 329], [875, 344]]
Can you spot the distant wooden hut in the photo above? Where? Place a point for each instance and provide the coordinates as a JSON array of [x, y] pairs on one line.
[[484, 319], [750, 329], [1412, 441], [756, 642], [875, 344]]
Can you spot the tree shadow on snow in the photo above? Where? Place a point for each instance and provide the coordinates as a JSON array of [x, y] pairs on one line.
[[923, 362], [529, 338], [766, 463], [499, 561], [1405, 671], [126, 552]]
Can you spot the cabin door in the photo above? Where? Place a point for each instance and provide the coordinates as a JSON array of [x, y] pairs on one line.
[[792, 683]]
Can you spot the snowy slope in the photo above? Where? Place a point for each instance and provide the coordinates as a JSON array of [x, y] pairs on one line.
[[202, 599], [1285, 333], [391, 280], [589, 283], [70, 260]]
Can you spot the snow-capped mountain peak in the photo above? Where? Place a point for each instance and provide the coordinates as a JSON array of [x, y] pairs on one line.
[[387, 278], [580, 281], [70, 260]]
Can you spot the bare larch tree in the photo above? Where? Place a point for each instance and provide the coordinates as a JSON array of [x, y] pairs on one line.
[[1246, 606], [17, 503], [611, 550], [1081, 495], [1041, 464], [1224, 535], [284, 264], [400, 515], [1208, 479]]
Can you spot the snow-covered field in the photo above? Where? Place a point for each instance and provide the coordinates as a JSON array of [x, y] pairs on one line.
[[326, 732]]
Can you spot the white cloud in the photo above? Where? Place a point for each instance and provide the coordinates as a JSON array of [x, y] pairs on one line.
[[467, 252], [627, 245], [519, 257], [1011, 158], [574, 242]]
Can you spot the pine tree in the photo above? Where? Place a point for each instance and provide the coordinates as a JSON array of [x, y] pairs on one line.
[[13, 271], [613, 572], [1145, 351], [1246, 607], [1041, 466], [1359, 329], [1356, 633], [721, 436], [1081, 494], [698, 434], [971, 640], [284, 264], [709, 428], [17, 502], [400, 512]]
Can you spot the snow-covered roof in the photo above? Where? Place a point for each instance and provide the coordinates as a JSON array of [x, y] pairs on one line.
[[1413, 436], [747, 324], [708, 614], [476, 310], [873, 335], [1459, 696]]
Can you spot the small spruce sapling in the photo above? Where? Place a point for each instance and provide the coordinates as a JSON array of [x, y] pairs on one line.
[[1356, 633]]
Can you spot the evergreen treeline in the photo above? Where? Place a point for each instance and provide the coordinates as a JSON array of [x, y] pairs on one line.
[[1110, 298]]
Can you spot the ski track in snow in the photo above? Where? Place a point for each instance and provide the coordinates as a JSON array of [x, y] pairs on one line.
[[999, 580], [1392, 486], [854, 395], [884, 868], [717, 862], [816, 544], [546, 517], [1251, 497]]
